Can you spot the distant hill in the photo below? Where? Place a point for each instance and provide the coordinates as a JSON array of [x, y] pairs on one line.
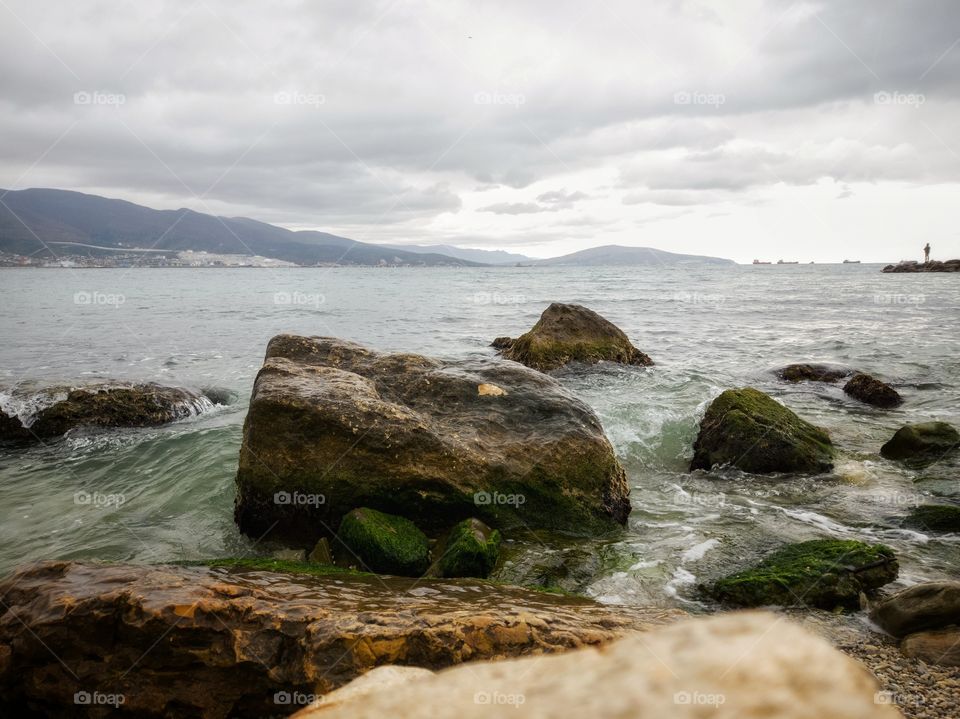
[[490, 257], [620, 255], [59, 216]]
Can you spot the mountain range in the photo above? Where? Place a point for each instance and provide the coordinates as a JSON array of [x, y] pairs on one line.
[[50, 223]]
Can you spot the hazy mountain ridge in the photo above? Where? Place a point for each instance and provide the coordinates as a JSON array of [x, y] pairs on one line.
[[49, 222]]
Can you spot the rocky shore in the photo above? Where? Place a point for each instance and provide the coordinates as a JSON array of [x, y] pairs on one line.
[[386, 488], [931, 266]]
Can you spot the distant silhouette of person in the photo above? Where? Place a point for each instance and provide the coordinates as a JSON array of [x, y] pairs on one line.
[[926, 253]]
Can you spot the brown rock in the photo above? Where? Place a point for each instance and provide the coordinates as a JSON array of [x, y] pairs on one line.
[[941, 646], [931, 605], [197, 641], [812, 373], [731, 666], [572, 333], [870, 390], [334, 426]]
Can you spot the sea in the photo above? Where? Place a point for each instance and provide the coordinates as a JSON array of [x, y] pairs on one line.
[[166, 494]]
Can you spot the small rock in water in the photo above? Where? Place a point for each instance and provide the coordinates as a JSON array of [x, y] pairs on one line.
[[872, 391], [922, 444]]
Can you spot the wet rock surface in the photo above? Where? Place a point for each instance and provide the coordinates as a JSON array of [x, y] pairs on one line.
[[931, 605], [571, 333], [219, 642], [749, 430], [805, 372], [872, 391], [922, 444], [340, 426]]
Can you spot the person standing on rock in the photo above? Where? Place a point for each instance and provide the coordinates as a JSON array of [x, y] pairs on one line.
[[926, 253]]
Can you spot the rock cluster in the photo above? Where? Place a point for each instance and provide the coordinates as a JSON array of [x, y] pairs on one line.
[[927, 618], [932, 266]]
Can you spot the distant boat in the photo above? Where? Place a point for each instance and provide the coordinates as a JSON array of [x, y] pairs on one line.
[[781, 262], [851, 262], [758, 262]]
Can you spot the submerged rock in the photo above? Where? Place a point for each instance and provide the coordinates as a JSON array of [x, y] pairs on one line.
[[471, 550], [385, 543], [104, 406], [935, 518], [732, 666], [227, 642], [571, 333], [812, 373], [870, 390], [824, 573], [921, 444], [931, 605], [749, 430], [333, 426]]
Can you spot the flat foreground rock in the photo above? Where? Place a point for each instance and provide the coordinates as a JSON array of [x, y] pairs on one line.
[[196, 641], [730, 666]]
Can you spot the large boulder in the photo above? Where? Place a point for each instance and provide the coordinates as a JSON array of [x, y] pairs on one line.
[[333, 426], [806, 372], [932, 605], [103, 406], [571, 333], [747, 429], [870, 390], [824, 573], [385, 543], [921, 444], [247, 642], [733, 666], [934, 518]]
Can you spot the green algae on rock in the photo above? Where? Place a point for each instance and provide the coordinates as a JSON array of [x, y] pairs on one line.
[[823, 573], [934, 518], [471, 550], [333, 426], [749, 430], [571, 333], [922, 444], [385, 543]]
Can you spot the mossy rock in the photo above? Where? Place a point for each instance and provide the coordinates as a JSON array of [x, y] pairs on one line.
[[747, 429], [471, 550], [385, 543], [571, 333], [935, 518], [922, 444], [823, 573]]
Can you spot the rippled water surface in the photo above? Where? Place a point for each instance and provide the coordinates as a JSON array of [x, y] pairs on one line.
[[707, 329]]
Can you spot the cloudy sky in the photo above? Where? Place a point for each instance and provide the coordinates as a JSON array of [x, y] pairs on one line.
[[759, 128]]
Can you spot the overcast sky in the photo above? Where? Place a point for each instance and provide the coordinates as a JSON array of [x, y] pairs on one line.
[[802, 130]]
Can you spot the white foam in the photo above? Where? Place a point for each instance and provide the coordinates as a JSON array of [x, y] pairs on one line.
[[696, 552]]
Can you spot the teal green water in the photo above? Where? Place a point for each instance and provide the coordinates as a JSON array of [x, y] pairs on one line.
[[707, 329]]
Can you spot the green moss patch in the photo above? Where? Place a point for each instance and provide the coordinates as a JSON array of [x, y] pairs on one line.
[[935, 518], [385, 543], [823, 573], [471, 550]]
